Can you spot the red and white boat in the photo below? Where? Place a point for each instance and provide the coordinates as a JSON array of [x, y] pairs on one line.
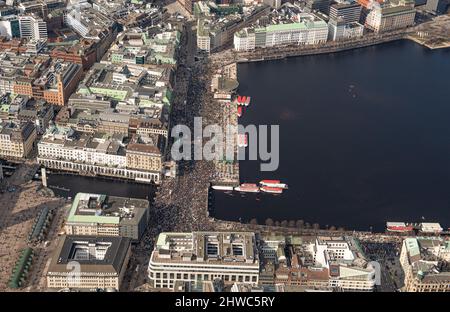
[[239, 111], [243, 100], [398, 227], [247, 187], [273, 190], [242, 140], [273, 183]]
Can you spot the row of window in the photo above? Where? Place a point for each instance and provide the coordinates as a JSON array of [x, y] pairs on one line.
[[186, 276]]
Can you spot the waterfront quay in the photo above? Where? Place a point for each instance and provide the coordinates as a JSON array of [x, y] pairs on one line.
[[433, 34], [279, 52]]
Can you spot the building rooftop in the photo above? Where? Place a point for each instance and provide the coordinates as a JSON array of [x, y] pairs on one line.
[[98, 208], [428, 257], [17, 132], [214, 248], [94, 254], [90, 23]]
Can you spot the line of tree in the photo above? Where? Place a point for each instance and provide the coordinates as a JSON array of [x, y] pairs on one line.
[[299, 224]]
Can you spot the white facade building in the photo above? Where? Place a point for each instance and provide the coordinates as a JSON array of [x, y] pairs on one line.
[[338, 31], [309, 30], [244, 40], [204, 256], [348, 269], [59, 150], [382, 19], [32, 27]]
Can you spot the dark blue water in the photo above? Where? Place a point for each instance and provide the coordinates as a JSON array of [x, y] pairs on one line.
[[364, 137], [68, 185]]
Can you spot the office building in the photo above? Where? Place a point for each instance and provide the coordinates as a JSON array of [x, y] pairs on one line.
[[244, 40], [316, 263], [345, 12], [16, 140], [386, 18], [214, 33], [103, 215], [340, 31], [53, 83], [103, 154], [89, 262], [319, 5], [20, 109], [10, 26], [308, 30], [437, 6], [425, 263], [94, 25], [204, 256], [32, 27]]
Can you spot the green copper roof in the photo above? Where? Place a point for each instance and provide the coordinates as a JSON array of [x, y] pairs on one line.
[[88, 218], [412, 246], [292, 26]]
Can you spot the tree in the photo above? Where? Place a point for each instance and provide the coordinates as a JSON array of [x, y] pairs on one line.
[[300, 224], [269, 222], [284, 223], [341, 229], [291, 223], [332, 228], [277, 223], [307, 225], [254, 221], [316, 226]]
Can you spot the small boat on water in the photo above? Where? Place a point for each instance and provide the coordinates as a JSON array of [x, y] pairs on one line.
[[273, 183], [243, 100], [222, 187], [247, 188], [239, 111], [399, 227], [273, 190]]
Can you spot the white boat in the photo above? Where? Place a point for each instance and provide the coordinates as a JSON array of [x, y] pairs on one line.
[[273, 183], [222, 188]]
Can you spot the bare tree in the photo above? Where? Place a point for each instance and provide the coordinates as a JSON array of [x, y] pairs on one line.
[[284, 223], [300, 224], [316, 226], [254, 221], [291, 223], [277, 223], [332, 228], [341, 229]]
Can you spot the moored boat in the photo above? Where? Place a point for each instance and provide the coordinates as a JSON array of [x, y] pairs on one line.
[[273, 190], [399, 227], [222, 187], [239, 111], [273, 183], [247, 187], [243, 100]]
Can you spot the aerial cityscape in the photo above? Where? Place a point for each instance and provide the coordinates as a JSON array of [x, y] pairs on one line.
[[224, 146]]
